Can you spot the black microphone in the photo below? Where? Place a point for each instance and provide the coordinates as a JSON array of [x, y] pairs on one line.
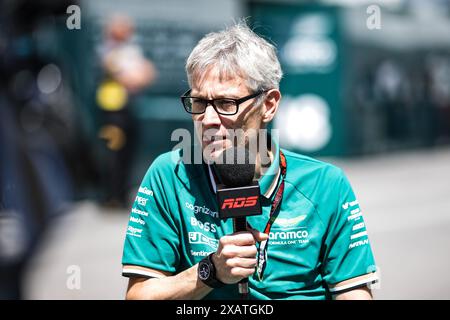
[[238, 194]]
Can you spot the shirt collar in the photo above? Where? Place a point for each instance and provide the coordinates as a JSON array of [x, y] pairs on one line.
[[267, 182]]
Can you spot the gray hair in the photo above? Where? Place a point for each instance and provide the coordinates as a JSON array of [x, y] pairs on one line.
[[236, 51]]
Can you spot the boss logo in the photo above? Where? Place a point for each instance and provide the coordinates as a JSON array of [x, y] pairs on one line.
[[233, 203]]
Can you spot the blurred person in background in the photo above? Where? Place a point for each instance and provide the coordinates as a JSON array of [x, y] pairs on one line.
[[126, 72], [35, 133]]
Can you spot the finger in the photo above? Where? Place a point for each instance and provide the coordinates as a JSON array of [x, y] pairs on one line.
[[242, 272], [242, 238], [257, 235], [242, 262], [240, 251]]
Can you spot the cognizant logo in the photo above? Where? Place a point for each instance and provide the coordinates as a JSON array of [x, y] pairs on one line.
[[202, 209]]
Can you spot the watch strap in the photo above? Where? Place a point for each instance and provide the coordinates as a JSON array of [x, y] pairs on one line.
[[212, 280]]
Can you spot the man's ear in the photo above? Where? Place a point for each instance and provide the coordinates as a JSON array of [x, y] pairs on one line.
[[271, 103]]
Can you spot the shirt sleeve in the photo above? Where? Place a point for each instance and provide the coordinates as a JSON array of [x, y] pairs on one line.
[[152, 237], [348, 260]]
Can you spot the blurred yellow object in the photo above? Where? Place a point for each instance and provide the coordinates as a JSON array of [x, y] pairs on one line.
[[111, 96], [114, 135]]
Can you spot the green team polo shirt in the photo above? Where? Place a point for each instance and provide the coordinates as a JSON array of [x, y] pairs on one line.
[[318, 244]]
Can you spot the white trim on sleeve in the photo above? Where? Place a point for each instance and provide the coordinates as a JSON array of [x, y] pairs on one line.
[[370, 279], [140, 272]]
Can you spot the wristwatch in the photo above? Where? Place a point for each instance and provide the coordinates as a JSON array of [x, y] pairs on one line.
[[207, 273]]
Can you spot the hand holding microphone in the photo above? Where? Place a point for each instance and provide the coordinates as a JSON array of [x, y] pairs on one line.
[[238, 197], [235, 259]]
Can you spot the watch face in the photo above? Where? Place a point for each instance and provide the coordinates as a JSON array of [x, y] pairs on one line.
[[203, 271]]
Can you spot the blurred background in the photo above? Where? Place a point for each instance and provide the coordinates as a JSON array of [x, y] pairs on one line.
[[89, 96]]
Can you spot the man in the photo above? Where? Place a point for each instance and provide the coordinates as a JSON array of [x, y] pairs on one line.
[[126, 73], [315, 248]]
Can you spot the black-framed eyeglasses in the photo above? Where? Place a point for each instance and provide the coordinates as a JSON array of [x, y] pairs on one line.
[[224, 106]]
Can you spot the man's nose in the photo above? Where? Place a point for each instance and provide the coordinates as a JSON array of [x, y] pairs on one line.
[[211, 116]]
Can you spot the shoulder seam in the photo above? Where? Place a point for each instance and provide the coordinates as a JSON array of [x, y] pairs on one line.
[[308, 198], [309, 159]]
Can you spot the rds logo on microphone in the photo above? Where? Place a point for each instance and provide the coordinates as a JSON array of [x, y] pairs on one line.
[[243, 202]]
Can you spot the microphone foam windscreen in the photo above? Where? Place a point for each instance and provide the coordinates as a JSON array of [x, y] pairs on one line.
[[237, 168]]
